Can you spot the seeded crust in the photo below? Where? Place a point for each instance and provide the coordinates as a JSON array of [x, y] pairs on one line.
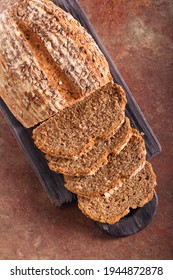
[[90, 162], [48, 61], [115, 204], [76, 128], [123, 165]]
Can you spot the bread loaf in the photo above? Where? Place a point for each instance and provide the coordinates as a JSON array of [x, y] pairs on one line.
[[123, 165], [76, 128], [48, 61], [53, 73], [89, 162], [116, 203]]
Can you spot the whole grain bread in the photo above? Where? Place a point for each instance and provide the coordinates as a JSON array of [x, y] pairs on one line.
[[89, 162], [53, 72], [76, 128], [123, 165], [48, 61], [116, 203]]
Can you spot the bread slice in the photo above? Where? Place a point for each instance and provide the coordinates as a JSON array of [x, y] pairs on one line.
[[76, 128], [89, 162], [48, 61], [123, 165], [116, 203]]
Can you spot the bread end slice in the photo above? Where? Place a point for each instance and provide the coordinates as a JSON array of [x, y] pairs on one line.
[[117, 202]]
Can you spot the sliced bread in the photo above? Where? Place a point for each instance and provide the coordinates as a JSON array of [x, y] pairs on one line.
[[89, 162], [123, 165], [76, 128], [116, 203]]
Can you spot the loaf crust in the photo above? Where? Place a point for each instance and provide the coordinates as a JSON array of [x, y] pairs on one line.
[[48, 61], [115, 204], [75, 129], [89, 162]]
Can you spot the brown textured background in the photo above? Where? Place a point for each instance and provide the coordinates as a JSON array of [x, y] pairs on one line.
[[139, 38]]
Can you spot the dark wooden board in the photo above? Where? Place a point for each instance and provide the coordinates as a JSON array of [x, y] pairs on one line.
[[53, 182], [134, 222]]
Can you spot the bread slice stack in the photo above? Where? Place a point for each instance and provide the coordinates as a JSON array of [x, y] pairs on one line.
[[102, 157], [54, 76]]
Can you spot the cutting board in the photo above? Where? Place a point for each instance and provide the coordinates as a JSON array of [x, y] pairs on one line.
[[52, 182]]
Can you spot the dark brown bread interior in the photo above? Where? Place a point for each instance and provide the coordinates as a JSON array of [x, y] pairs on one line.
[[89, 162], [119, 166], [116, 203], [76, 128]]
